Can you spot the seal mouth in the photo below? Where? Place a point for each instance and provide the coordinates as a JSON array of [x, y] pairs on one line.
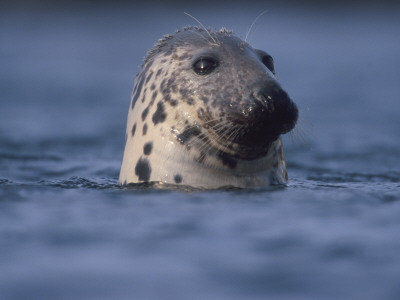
[[250, 131], [242, 146]]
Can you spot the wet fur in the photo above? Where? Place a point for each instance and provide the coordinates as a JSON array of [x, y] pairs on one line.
[[177, 136]]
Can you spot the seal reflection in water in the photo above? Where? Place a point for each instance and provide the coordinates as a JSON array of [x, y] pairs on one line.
[[207, 111]]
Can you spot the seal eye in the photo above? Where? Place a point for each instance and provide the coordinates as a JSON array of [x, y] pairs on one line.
[[268, 61], [205, 65]]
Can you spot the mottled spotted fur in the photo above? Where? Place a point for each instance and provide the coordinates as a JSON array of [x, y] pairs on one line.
[[214, 130]]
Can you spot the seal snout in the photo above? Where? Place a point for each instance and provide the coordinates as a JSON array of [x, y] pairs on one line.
[[278, 111], [270, 113]]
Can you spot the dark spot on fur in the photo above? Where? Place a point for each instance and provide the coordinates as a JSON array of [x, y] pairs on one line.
[[137, 91], [153, 87], [205, 140], [147, 148], [228, 160], [149, 77], [206, 116], [187, 134], [184, 93], [190, 101], [144, 131], [149, 64], [178, 178], [160, 115], [153, 97], [144, 113], [162, 84], [133, 129], [143, 169], [158, 72], [201, 157], [167, 96], [174, 88], [185, 56], [204, 99]]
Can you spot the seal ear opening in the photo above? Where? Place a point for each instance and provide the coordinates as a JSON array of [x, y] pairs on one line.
[[267, 60]]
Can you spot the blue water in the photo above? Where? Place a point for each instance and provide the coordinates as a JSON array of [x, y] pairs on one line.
[[68, 231]]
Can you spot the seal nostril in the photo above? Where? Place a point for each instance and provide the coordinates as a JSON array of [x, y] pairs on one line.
[[275, 111], [264, 100]]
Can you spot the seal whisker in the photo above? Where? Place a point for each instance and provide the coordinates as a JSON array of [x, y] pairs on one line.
[[218, 127], [204, 143], [231, 136], [221, 135], [224, 150], [202, 36], [252, 24], [205, 139], [302, 134], [221, 129], [209, 34]]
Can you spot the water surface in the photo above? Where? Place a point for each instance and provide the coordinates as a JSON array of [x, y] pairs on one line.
[[68, 231]]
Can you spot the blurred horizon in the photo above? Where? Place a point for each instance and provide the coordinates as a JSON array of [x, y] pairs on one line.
[[43, 5]]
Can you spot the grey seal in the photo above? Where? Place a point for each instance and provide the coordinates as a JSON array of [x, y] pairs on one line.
[[207, 111]]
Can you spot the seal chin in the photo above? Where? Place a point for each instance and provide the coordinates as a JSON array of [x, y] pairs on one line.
[[254, 152]]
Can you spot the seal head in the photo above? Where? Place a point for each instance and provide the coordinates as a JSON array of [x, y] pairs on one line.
[[207, 111]]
